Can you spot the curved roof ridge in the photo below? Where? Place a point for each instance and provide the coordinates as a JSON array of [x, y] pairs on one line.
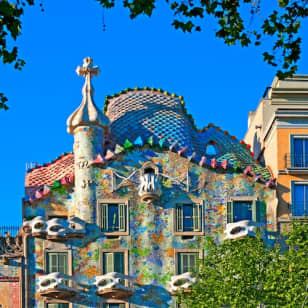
[[182, 101]]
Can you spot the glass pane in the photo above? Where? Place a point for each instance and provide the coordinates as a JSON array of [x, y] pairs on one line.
[[188, 217], [186, 261], [114, 305], [57, 262], [119, 262], [242, 210], [52, 262], [113, 217], [298, 200], [305, 153], [211, 150], [108, 265], [298, 152], [58, 305]]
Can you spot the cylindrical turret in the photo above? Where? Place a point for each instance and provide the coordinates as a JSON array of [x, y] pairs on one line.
[[87, 124]]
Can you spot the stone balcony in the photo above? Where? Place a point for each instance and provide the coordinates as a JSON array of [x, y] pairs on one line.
[[181, 282], [56, 285], [57, 229], [149, 188], [114, 286], [241, 229]]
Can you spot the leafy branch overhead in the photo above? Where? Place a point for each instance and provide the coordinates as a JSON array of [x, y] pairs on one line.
[[234, 25], [10, 29]]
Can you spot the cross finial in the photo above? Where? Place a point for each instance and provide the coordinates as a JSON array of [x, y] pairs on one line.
[[87, 69]]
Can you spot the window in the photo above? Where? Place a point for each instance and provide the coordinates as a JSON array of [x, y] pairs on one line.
[[238, 210], [114, 306], [113, 262], [211, 148], [299, 199], [299, 157], [186, 261], [188, 217], [57, 305], [113, 217], [57, 262]]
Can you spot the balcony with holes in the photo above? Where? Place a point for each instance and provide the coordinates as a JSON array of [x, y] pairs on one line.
[[181, 283], [114, 286], [56, 229], [56, 285]]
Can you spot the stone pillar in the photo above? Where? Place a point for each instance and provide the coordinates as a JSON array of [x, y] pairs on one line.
[[88, 143]]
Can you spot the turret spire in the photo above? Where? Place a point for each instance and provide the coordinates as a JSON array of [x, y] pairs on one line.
[[87, 113]]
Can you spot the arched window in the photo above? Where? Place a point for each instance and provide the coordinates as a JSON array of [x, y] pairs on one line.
[[211, 148]]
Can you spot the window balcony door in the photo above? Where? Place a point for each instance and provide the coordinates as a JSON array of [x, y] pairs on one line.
[[299, 205]]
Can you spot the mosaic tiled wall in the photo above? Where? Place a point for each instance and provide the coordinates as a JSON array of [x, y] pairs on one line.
[[151, 243], [10, 291]]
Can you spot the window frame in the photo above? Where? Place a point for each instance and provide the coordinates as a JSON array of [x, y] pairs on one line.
[[100, 203], [293, 183], [256, 217], [201, 221], [48, 250], [114, 301], [178, 251], [101, 260], [292, 150], [57, 301]]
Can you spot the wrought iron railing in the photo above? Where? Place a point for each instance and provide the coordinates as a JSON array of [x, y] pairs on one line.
[[296, 160], [13, 230], [299, 209]]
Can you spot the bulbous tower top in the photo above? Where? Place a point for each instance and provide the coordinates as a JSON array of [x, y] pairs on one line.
[[87, 113]]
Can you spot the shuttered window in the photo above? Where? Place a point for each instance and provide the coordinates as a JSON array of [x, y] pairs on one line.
[[57, 262], [186, 261], [188, 217], [57, 305], [238, 210], [114, 305], [113, 217], [113, 262]]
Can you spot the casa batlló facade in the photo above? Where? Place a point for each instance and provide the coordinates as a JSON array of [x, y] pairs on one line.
[[121, 221]]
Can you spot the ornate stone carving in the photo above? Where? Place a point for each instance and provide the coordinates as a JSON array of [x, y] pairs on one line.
[[112, 285], [10, 246]]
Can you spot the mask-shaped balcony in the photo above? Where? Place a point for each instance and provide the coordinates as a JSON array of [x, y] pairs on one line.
[[114, 286], [56, 285], [241, 229], [181, 282], [149, 189], [57, 229]]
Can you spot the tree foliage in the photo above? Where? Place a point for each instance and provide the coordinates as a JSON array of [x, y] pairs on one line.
[[247, 273], [282, 25]]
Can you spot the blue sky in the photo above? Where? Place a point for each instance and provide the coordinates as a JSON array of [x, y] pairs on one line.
[[220, 84]]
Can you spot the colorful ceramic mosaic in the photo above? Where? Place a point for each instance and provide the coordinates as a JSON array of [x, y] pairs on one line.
[[119, 228]]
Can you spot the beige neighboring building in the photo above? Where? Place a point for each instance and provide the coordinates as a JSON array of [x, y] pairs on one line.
[[278, 135]]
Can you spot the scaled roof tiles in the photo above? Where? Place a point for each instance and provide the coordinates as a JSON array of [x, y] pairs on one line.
[[146, 113]]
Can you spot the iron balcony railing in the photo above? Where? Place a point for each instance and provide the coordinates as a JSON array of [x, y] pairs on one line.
[[13, 230], [299, 209], [296, 161]]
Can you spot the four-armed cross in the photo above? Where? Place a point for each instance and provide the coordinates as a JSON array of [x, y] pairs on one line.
[[87, 69]]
